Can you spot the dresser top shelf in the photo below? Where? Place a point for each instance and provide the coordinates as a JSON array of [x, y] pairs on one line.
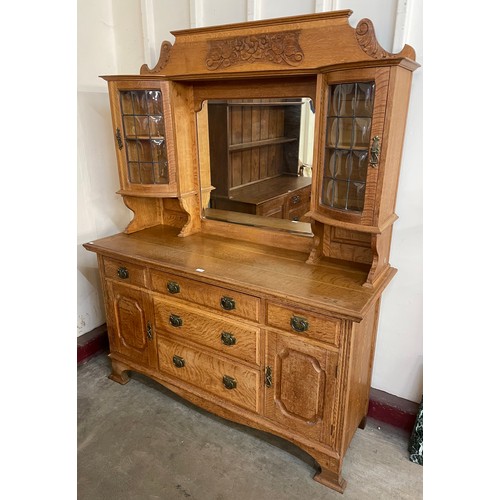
[[250, 267]]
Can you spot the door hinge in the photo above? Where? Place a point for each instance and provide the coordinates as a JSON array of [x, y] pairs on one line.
[[149, 330], [268, 373]]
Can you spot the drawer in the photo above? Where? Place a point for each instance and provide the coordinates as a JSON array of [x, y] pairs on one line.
[[227, 337], [272, 208], [229, 302], [229, 381], [299, 197], [300, 322], [126, 272]]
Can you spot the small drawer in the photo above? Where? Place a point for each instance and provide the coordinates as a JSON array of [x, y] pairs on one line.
[[125, 272], [227, 337], [229, 302], [304, 323], [229, 381]]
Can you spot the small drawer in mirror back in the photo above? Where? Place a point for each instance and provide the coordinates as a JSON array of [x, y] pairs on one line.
[[226, 301], [125, 272]]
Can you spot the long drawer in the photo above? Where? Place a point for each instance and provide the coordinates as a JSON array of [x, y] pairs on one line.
[[229, 302], [228, 337], [229, 381], [304, 323]]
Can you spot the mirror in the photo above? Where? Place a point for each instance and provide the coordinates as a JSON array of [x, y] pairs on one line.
[[255, 159]]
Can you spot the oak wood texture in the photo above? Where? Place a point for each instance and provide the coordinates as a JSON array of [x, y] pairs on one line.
[[208, 330], [314, 374], [290, 348]]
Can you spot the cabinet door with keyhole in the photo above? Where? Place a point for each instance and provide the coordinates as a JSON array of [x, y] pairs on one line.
[[301, 385], [130, 327]]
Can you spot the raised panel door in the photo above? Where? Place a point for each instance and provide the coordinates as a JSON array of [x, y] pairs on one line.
[[130, 328], [300, 386]]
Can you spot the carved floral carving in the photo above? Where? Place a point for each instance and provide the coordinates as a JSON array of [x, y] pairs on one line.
[[278, 48]]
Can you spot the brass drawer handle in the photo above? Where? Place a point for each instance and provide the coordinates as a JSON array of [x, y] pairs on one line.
[[229, 382], [295, 199], [175, 321], [228, 338], [227, 303], [178, 361], [122, 273], [299, 324], [173, 287]]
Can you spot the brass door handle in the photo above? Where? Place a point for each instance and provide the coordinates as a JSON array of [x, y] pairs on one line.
[[118, 136], [375, 152]]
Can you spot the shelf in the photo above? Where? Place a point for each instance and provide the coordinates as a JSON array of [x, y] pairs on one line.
[[272, 103], [258, 144], [145, 138]]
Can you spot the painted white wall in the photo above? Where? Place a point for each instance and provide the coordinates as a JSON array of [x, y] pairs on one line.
[[117, 36]]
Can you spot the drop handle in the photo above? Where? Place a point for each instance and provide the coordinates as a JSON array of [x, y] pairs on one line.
[[173, 287], [175, 321], [227, 338], [227, 303], [122, 273], [178, 361], [229, 382], [299, 324]]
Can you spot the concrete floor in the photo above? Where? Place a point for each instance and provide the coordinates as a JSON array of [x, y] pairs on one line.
[[140, 441]]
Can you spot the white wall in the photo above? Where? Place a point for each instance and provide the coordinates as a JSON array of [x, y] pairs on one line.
[[117, 36]]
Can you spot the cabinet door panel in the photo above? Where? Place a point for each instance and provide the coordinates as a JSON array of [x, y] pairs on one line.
[[301, 394], [128, 324], [353, 133]]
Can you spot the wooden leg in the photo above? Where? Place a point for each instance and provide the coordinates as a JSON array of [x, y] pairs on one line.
[[362, 424], [330, 472], [118, 372]]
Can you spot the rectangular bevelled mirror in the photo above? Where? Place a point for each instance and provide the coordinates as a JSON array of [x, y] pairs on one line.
[[348, 128], [259, 161]]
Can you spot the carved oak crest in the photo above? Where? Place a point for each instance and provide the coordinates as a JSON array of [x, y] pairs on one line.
[[278, 48]]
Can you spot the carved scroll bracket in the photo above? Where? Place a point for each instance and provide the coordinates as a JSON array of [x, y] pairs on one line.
[[277, 48], [365, 35], [165, 50]]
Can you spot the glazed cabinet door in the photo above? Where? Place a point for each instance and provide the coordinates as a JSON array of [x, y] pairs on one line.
[[130, 324], [351, 136], [142, 126], [301, 386]]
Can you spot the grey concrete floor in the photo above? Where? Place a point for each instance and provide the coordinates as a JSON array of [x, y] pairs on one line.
[[141, 441]]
